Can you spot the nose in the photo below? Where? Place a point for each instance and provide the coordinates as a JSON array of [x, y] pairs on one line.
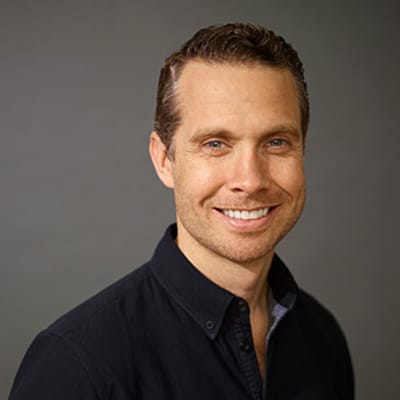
[[248, 172]]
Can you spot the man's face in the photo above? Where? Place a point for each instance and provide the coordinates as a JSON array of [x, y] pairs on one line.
[[237, 165]]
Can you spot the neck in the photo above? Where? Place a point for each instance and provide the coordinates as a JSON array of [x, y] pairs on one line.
[[247, 280]]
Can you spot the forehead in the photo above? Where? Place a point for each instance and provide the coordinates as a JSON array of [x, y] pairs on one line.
[[236, 92]]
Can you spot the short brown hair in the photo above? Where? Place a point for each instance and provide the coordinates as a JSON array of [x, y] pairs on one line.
[[230, 43]]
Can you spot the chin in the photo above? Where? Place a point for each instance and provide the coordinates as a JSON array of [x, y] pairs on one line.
[[244, 252]]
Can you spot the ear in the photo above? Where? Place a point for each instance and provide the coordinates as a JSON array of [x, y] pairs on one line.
[[162, 164]]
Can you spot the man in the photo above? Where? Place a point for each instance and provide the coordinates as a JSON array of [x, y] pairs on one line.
[[214, 314]]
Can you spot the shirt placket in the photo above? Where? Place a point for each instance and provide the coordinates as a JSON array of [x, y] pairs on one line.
[[243, 341]]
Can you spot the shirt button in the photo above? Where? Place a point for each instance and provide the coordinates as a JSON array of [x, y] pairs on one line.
[[245, 346], [210, 324], [242, 305]]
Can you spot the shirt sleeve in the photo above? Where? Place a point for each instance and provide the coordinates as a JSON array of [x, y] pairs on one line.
[[53, 369]]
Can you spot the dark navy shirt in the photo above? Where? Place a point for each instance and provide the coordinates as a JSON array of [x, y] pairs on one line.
[[167, 332]]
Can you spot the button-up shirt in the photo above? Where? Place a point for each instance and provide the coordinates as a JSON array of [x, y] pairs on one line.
[[165, 331]]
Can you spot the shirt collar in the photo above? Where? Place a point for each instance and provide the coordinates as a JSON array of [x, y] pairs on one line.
[[205, 301], [283, 286]]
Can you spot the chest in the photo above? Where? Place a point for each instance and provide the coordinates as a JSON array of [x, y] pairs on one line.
[[186, 363]]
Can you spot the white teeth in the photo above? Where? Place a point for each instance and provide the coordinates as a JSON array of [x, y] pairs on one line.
[[255, 214]]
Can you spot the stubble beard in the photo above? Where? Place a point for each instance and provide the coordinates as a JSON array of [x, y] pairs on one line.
[[243, 248]]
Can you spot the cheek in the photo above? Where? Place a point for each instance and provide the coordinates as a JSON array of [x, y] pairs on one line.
[[195, 184], [197, 179], [289, 175]]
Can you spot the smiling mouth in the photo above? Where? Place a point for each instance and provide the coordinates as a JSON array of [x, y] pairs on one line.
[[244, 214]]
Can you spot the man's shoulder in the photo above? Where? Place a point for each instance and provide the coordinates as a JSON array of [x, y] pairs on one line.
[[76, 353], [113, 305], [317, 315], [322, 328], [324, 334]]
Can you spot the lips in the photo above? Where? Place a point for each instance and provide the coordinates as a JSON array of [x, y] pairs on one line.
[[245, 214]]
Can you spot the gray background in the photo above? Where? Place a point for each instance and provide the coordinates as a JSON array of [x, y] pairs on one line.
[[80, 205]]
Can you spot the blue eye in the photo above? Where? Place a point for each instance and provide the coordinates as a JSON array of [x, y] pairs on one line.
[[215, 147], [215, 144], [277, 142]]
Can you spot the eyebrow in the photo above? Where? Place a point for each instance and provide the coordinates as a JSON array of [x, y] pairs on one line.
[[285, 128]]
